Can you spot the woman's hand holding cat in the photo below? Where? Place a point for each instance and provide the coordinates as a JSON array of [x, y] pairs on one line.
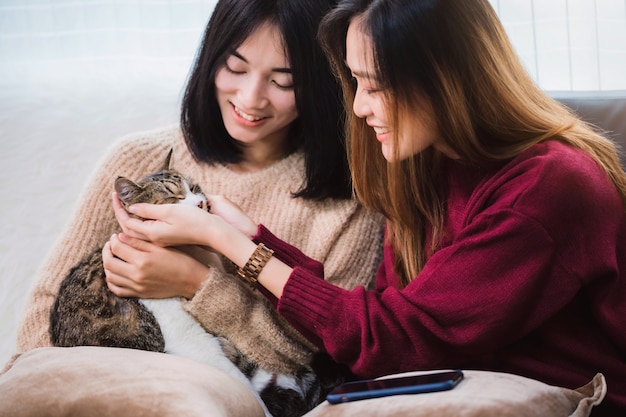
[[137, 268]]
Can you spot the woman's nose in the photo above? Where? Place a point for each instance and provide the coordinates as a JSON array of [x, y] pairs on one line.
[[360, 106], [252, 93]]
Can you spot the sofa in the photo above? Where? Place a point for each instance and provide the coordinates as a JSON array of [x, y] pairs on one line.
[[605, 109], [108, 381]]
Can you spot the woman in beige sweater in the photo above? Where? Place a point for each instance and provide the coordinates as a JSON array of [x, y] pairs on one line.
[[261, 128]]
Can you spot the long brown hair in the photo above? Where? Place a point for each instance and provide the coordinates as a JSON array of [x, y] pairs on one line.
[[457, 57]]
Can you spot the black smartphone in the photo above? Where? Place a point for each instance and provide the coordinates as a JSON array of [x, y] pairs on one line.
[[412, 384]]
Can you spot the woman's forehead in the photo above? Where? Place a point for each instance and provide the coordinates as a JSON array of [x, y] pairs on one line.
[[359, 52], [266, 43]]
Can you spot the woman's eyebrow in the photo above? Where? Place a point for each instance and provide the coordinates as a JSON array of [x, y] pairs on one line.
[[279, 69]]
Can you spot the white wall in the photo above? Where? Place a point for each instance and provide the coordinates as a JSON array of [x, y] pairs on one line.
[[569, 44], [565, 44], [42, 38]]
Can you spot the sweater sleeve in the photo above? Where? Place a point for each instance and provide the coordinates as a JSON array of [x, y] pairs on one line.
[[89, 227], [461, 304], [252, 323]]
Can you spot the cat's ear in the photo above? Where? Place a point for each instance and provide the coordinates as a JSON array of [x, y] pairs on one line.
[[168, 159], [126, 189]]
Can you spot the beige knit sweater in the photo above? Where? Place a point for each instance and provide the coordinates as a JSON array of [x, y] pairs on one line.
[[345, 237]]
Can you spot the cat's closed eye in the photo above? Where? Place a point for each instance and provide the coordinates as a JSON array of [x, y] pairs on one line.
[[174, 189]]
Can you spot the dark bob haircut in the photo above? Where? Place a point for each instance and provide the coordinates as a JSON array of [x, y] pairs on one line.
[[318, 130]]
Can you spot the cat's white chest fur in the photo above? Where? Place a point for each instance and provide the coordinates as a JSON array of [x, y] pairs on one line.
[[184, 336]]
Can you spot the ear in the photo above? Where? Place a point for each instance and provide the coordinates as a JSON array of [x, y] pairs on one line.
[[126, 190], [166, 164]]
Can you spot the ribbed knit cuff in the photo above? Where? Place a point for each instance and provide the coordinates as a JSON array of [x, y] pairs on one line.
[[308, 302]]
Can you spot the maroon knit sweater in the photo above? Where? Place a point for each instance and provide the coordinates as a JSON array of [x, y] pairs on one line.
[[530, 279]]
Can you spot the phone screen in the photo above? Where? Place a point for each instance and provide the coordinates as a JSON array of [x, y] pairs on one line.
[[414, 384]]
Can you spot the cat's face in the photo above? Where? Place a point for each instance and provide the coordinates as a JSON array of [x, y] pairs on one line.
[[166, 186]]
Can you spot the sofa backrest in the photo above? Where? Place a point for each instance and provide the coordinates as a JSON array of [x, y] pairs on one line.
[[605, 109]]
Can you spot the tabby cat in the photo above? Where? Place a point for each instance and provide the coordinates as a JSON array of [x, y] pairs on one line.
[[87, 313]]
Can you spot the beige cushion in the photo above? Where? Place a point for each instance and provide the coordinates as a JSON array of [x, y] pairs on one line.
[[95, 381], [98, 382], [480, 394]]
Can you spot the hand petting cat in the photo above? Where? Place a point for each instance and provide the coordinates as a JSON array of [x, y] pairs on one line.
[[165, 224], [136, 267], [175, 224]]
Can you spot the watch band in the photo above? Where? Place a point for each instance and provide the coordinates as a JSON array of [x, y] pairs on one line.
[[251, 270]]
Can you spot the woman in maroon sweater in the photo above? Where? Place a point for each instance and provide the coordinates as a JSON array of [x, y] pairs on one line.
[[506, 234]]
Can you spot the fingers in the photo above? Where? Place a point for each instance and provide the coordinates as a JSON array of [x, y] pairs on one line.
[[163, 224], [117, 204], [120, 291], [154, 219], [127, 223], [124, 259], [220, 204], [126, 248], [115, 271], [120, 286], [232, 214], [123, 240], [120, 213], [149, 211]]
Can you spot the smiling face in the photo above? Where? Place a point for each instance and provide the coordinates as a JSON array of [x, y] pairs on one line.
[[255, 91], [413, 133]]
